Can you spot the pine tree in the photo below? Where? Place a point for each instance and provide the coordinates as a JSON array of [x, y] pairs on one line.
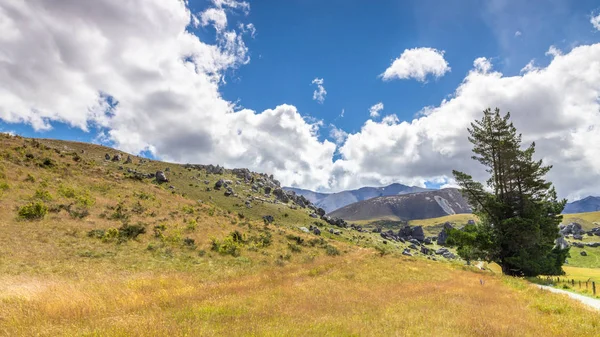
[[519, 212]]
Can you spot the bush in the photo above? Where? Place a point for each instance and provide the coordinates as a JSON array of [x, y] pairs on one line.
[[331, 250], [227, 247], [30, 178], [158, 230], [192, 224], [294, 247], [47, 163], [33, 211], [297, 239], [96, 233], [131, 231], [4, 186], [189, 242], [42, 195], [79, 212]]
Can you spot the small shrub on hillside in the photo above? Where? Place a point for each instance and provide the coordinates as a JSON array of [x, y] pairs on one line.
[[4, 186], [201, 252], [295, 238], [131, 232], [187, 209], [263, 240], [318, 242], [33, 211], [30, 178], [47, 163], [120, 213], [42, 195], [331, 250], [85, 199], [226, 247], [158, 230], [96, 233], [192, 224], [138, 208], [79, 212], [145, 196], [189, 242], [66, 191], [294, 247], [110, 234]]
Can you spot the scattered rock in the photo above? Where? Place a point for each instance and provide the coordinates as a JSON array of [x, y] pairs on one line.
[[116, 157], [128, 160], [219, 184], [304, 229], [316, 231], [268, 190], [583, 253], [417, 233], [562, 243], [320, 211], [406, 252], [161, 177], [107, 156], [268, 219], [314, 215]]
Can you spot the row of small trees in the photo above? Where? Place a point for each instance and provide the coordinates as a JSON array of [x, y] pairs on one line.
[[518, 209]]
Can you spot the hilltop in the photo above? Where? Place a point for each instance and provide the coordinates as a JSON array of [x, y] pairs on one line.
[[95, 241]]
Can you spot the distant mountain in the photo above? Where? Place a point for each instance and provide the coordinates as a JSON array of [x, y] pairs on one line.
[[332, 201], [589, 204], [421, 205]]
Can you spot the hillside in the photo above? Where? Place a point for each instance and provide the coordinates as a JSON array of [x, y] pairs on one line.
[[97, 246], [589, 204], [333, 201], [422, 205]]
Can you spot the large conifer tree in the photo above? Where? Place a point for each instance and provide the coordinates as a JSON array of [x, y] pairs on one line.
[[519, 211]]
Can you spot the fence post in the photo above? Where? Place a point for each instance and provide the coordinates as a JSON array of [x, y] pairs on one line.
[[594, 287]]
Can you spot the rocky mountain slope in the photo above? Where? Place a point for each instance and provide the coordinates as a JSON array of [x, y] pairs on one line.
[[589, 204], [421, 205], [332, 201]]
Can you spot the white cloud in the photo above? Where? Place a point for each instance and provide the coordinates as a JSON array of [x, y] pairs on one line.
[[417, 63], [529, 67], [338, 135], [518, 33], [595, 21], [216, 16], [556, 106], [342, 113], [63, 62], [319, 93], [248, 28], [375, 109], [553, 51], [68, 58]]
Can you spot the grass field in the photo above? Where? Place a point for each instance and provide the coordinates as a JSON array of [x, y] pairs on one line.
[[108, 255], [587, 220]]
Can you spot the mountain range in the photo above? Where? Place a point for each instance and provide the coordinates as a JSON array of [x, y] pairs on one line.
[[333, 201], [411, 206], [589, 204]]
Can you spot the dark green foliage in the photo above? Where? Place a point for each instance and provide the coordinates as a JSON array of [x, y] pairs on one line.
[[294, 247], [47, 163], [189, 242], [33, 211], [519, 218], [96, 233], [131, 231]]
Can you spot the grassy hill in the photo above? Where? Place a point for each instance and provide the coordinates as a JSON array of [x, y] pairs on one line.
[[90, 247]]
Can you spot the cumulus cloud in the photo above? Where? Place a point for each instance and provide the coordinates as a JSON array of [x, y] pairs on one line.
[[595, 21], [417, 63], [319, 93], [553, 51], [518, 33], [148, 84], [556, 106], [375, 109], [338, 135]]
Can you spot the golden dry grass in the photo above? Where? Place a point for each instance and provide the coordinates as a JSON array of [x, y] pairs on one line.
[[357, 294], [57, 281]]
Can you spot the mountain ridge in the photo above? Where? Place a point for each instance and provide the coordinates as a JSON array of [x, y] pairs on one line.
[[333, 201]]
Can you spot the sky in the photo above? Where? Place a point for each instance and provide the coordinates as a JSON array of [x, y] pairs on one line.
[[324, 95]]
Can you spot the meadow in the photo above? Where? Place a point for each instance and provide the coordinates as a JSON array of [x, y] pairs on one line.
[[105, 254]]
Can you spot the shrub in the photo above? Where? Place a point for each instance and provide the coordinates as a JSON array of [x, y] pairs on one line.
[[42, 195], [192, 224], [30, 178], [187, 209], [66, 191], [132, 231], [294, 247], [120, 213], [79, 212], [138, 208], [227, 247], [47, 163], [33, 211], [158, 230], [4, 186], [263, 240], [189, 242], [297, 239], [110, 234], [96, 233], [331, 250]]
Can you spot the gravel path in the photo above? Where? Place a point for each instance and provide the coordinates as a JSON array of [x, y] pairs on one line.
[[591, 302]]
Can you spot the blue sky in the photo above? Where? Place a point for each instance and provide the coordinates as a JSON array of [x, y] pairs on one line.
[[264, 56]]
